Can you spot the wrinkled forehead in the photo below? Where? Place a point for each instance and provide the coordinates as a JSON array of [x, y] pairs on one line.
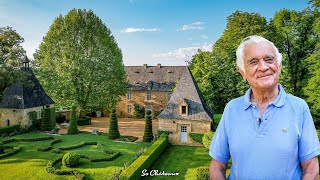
[[258, 50]]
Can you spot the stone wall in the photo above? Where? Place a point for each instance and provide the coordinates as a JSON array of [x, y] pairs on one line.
[[194, 126], [18, 116], [158, 102]]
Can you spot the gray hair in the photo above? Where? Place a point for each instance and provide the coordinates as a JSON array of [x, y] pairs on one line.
[[251, 40]]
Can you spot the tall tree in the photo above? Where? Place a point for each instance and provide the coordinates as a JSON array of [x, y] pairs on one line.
[[80, 62], [11, 57], [220, 81], [294, 35]]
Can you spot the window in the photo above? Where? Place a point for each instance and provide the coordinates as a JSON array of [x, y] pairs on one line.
[[183, 110], [39, 114], [129, 95], [8, 122], [129, 109], [148, 95]]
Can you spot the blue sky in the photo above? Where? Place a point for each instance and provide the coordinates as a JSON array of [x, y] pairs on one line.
[[147, 31]]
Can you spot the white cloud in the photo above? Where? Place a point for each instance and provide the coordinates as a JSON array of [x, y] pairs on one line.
[[182, 53], [192, 26], [133, 30]]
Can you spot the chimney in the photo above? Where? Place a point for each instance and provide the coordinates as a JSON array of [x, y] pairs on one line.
[[145, 66], [159, 66]]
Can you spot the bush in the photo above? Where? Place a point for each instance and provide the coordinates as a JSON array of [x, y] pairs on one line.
[[148, 134], [13, 152], [138, 111], [1, 148], [203, 173], [71, 159], [84, 120], [207, 138], [196, 137], [146, 159], [73, 128], [9, 129], [113, 127], [35, 122], [45, 121]]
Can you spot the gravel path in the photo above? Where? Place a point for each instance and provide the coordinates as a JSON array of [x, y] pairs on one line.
[[127, 126]]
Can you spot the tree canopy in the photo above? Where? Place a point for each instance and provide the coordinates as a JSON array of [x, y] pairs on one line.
[[80, 62], [12, 55]]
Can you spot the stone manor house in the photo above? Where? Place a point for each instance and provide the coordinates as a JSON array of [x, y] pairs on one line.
[[172, 95]]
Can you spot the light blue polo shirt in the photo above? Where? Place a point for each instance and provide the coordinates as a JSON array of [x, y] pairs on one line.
[[268, 146]]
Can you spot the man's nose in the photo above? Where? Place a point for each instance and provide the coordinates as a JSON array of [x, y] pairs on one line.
[[262, 65]]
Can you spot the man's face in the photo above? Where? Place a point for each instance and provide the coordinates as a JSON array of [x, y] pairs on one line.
[[261, 67]]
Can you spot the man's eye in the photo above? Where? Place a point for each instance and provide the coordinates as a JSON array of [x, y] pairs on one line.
[[253, 62], [269, 60]]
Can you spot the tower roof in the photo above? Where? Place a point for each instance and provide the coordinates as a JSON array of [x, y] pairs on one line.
[[187, 91], [22, 97]]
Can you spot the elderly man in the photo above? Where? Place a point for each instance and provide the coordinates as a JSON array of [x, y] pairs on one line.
[[267, 133]]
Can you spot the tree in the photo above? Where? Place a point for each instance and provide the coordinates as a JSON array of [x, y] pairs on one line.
[[46, 120], [80, 62], [148, 134], [217, 76], [113, 125], [294, 35], [11, 56], [139, 111], [73, 127]]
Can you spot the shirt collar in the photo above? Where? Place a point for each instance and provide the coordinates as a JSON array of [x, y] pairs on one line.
[[278, 102]]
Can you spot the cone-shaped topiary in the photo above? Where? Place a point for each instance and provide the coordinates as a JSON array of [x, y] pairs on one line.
[[71, 159], [73, 127], [113, 126], [1, 148], [45, 122], [148, 135]]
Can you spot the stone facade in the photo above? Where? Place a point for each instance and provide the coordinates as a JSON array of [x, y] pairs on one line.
[[18, 116], [174, 126], [158, 102]]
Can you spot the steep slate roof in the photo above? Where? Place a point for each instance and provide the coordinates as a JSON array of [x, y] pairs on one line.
[[188, 91], [153, 78], [19, 97]]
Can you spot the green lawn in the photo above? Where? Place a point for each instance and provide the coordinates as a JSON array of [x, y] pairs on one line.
[[182, 159], [31, 164]]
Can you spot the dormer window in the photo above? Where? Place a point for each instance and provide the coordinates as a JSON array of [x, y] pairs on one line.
[[137, 72], [183, 108], [170, 71], [150, 72]]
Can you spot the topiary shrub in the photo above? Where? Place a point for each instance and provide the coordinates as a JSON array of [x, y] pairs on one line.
[[45, 121], [1, 148], [148, 135], [73, 127], [207, 138], [113, 126], [138, 111], [196, 137], [71, 159]]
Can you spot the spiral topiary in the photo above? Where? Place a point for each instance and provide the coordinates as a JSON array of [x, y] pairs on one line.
[[1, 148], [71, 159]]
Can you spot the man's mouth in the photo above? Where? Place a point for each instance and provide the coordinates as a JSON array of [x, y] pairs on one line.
[[264, 76]]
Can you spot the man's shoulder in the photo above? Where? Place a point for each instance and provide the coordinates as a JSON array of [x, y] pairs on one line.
[[295, 100], [239, 101]]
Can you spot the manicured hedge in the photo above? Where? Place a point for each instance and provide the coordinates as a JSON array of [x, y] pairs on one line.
[[111, 157], [27, 139], [203, 173], [49, 147], [9, 129], [84, 120], [76, 146], [196, 137], [51, 169], [14, 151], [146, 159]]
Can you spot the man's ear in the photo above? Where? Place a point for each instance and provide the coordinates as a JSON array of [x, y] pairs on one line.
[[242, 74]]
